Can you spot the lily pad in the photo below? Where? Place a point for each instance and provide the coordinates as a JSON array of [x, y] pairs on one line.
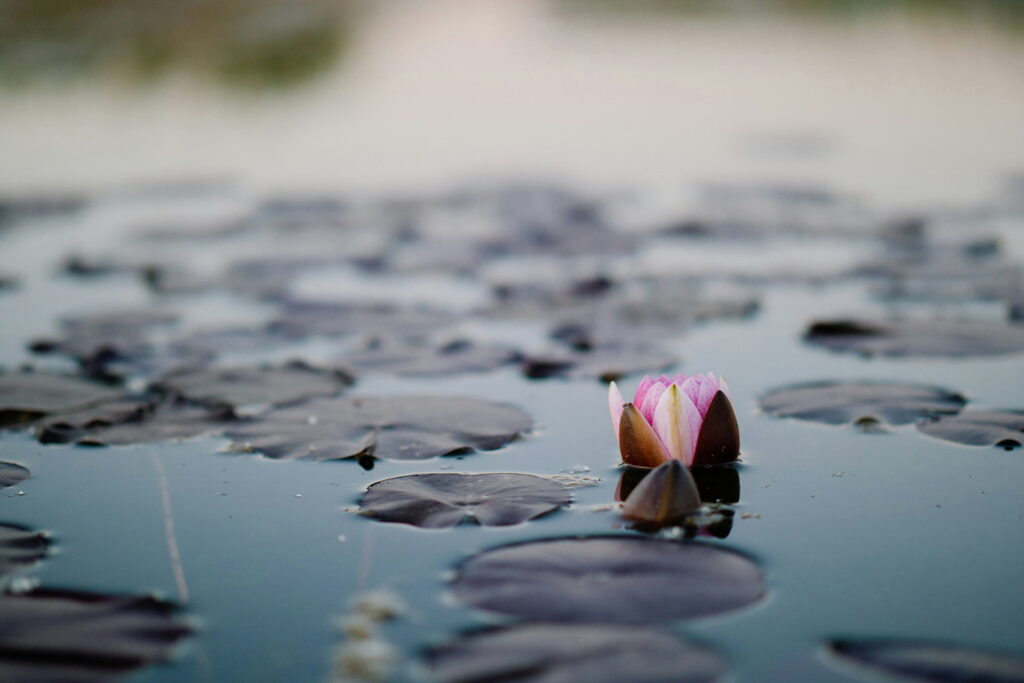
[[20, 547], [942, 338], [27, 396], [437, 501], [455, 357], [596, 653], [12, 473], [619, 579], [60, 635], [606, 365], [915, 660], [1003, 428], [242, 386], [343, 318], [168, 422], [839, 403], [365, 428], [73, 425]]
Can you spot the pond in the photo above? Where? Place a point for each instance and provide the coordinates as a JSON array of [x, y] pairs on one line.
[[240, 322]]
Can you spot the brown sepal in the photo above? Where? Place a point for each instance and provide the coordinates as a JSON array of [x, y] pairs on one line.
[[638, 444], [719, 440]]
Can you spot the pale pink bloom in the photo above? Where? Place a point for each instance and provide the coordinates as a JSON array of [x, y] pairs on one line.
[[674, 410]]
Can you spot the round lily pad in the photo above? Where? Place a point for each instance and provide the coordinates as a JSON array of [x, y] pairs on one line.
[[1003, 428], [241, 386], [435, 501], [364, 428], [12, 473], [69, 426], [943, 338], [27, 396], [20, 547], [596, 653], [606, 364], [60, 635], [914, 660], [838, 403], [455, 357], [343, 318], [168, 422], [609, 579]]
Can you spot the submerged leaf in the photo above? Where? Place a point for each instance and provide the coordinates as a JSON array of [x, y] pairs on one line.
[[399, 427], [596, 653], [618, 579], [914, 660], [435, 501], [849, 402]]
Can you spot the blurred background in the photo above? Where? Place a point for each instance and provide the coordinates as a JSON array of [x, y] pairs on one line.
[[903, 101]]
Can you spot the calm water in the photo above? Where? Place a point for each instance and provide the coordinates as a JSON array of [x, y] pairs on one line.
[[893, 534]]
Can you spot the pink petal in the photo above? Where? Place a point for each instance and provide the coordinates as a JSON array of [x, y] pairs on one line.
[[704, 397], [672, 425], [641, 390], [651, 401], [691, 387], [695, 421], [615, 404]]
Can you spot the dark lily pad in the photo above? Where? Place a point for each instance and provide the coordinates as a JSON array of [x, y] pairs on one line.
[[437, 501], [596, 653], [27, 396], [944, 338], [242, 386], [606, 365], [20, 547], [70, 426], [236, 339], [838, 403], [620, 579], [168, 422], [344, 318], [364, 428], [1003, 428], [454, 357], [915, 660], [12, 473], [59, 635], [8, 282]]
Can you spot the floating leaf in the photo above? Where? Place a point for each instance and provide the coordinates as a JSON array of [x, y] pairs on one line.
[[59, 635], [596, 653], [343, 318], [241, 386], [27, 396], [12, 473], [1004, 428], [951, 338], [20, 547], [70, 426], [455, 357], [606, 364], [435, 501], [401, 427], [915, 660], [609, 579], [852, 402], [166, 422]]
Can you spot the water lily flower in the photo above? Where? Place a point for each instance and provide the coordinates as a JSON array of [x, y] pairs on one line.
[[686, 417]]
